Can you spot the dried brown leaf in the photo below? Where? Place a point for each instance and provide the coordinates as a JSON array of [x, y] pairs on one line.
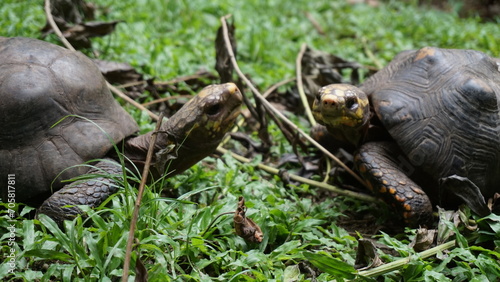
[[423, 240], [321, 68], [366, 255], [70, 17], [72, 11], [141, 274], [244, 226], [118, 73], [222, 59], [494, 202], [80, 34]]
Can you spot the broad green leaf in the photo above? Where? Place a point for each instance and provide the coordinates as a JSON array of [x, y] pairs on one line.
[[28, 234], [306, 223], [292, 273], [52, 227], [286, 248], [49, 254], [332, 266]]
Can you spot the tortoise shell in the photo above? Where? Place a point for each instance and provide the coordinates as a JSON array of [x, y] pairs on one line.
[[442, 108], [40, 84]]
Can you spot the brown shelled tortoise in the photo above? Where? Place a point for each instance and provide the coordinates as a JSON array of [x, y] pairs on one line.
[[441, 112], [57, 113]]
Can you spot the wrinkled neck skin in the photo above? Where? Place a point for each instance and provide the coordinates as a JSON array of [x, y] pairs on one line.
[[349, 135], [173, 153]]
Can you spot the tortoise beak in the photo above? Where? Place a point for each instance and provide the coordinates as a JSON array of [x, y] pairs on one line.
[[233, 100]]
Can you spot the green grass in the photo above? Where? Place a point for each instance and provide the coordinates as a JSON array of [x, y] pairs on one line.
[[167, 39]]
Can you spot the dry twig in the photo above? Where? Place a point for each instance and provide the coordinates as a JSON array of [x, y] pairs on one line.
[[275, 171], [133, 221], [300, 85], [315, 23], [273, 87], [161, 100]]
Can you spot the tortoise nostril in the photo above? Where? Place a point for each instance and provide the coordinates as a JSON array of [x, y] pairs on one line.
[[329, 102]]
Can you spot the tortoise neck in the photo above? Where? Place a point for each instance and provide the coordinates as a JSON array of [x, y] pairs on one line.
[[135, 148], [348, 135], [171, 153]]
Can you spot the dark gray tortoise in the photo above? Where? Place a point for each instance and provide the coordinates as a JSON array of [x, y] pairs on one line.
[[42, 84], [441, 110]]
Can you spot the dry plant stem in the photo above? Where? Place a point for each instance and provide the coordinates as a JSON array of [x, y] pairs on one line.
[[269, 107], [315, 23], [137, 205], [275, 171], [170, 82], [161, 100], [131, 101], [395, 265], [53, 25], [132, 84], [300, 85], [276, 86]]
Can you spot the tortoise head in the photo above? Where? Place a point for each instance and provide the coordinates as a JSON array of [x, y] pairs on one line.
[[344, 110], [207, 117], [198, 127]]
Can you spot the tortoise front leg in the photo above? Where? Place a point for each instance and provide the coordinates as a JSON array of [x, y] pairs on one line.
[[380, 163], [62, 205]]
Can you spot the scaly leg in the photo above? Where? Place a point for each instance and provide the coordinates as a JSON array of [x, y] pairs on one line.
[[382, 165], [92, 192]]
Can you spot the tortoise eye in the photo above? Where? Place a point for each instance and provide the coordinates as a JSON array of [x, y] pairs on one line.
[[351, 102], [214, 109]]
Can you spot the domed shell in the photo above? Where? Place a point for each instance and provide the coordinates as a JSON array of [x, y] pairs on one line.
[[40, 84], [442, 108]]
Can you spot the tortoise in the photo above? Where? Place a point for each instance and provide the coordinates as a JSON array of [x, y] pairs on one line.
[[440, 109], [58, 113]]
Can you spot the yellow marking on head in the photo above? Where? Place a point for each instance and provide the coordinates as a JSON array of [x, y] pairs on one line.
[[363, 102], [407, 207], [204, 93], [392, 191], [345, 120], [339, 92], [343, 87], [359, 113], [231, 87], [325, 90]]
